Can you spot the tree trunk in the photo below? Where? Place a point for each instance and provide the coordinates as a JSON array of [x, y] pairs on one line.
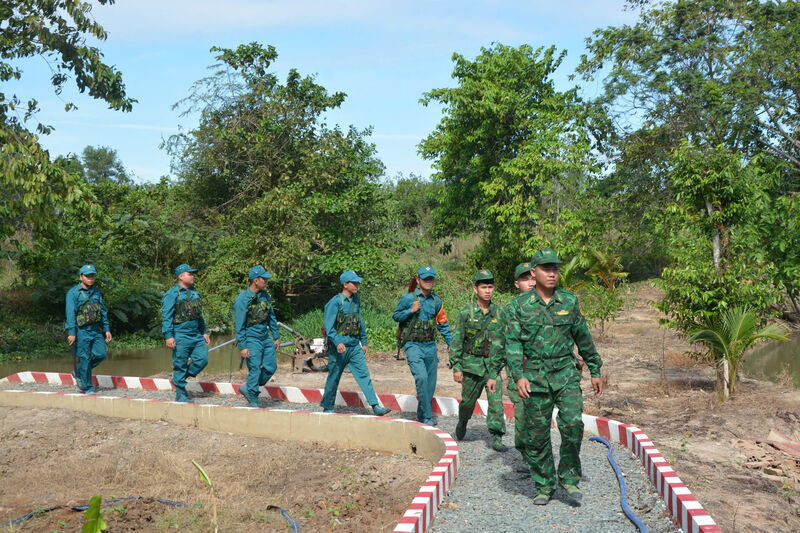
[[724, 379], [715, 242]]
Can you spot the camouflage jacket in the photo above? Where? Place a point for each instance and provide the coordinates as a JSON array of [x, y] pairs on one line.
[[473, 338], [540, 340]]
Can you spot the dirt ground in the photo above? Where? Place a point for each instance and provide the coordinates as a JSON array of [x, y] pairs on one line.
[[653, 384], [60, 457]]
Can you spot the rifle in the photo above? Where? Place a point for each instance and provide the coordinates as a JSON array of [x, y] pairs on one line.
[[412, 286]]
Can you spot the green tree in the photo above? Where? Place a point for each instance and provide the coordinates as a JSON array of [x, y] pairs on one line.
[[286, 190], [513, 152], [729, 337], [698, 91], [32, 186], [102, 163]]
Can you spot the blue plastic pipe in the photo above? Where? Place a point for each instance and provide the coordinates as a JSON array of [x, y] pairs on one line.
[[623, 496]]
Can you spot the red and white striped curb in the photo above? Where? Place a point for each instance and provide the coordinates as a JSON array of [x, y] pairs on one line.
[[420, 513], [684, 507]]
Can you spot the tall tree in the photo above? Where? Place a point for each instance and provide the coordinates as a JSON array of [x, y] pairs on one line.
[[513, 152], [32, 186], [289, 191], [102, 163]]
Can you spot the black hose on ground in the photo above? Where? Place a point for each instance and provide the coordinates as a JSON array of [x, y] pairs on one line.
[[38, 512]]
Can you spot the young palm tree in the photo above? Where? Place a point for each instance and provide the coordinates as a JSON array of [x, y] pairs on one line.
[[729, 337]]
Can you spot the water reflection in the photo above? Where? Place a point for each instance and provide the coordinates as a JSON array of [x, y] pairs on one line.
[[140, 363], [775, 360]]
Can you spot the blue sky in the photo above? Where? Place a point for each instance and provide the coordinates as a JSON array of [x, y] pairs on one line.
[[383, 54]]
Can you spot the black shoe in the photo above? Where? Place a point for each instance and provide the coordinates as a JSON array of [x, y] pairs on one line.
[[461, 430]]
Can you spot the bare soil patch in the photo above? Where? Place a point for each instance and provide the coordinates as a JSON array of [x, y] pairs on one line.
[[61, 457]]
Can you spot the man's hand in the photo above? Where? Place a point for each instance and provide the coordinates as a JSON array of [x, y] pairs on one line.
[[245, 353], [365, 350], [524, 388], [415, 306], [171, 343], [71, 339], [207, 339], [341, 347], [108, 336], [597, 385], [277, 344], [491, 385], [458, 377]]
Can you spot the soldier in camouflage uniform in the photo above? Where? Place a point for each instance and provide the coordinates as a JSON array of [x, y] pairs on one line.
[[347, 335], [543, 327], [184, 329], [476, 329], [256, 333], [86, 315], [523, 281], [419, 314]]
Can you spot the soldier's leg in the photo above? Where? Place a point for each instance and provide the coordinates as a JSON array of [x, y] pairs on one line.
[[269, 362], [538, 449], [358, 366], [336, 365], [253, 362], [471, 388], [519, 413], [199, 356], [569, 401], [416, 363], [98, 349], [180, 367], [431, 359], [83, 353], [495, 419]]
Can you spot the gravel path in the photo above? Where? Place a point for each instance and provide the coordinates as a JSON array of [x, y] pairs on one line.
[[489, 493]]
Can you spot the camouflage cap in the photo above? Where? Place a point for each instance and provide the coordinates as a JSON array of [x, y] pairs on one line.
[[180, 269], [521, 269], [545, 256], [483, 275]]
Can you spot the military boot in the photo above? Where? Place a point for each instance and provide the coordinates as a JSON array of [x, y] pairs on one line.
[[497, 443], [461, 429]]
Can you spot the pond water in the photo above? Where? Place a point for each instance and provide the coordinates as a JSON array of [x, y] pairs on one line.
[[775, 360], [140, 363]]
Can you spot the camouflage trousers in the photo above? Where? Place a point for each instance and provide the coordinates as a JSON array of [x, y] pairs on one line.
[[471, 388], [519, 412], [535, 436]]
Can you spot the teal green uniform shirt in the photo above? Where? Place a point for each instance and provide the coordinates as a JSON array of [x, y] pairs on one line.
[[78, 296], [188, 328], [540, 339], [346, 306], [471, 328], [258, 331]]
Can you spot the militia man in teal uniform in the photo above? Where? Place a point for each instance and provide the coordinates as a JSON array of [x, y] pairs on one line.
[[344, 327], [87, 327], [476, 328], [420, 313], [543, 327], [523, 281], [184, 329], [256, 333]]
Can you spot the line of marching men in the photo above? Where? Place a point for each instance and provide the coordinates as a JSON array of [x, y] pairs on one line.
[[533, 337]]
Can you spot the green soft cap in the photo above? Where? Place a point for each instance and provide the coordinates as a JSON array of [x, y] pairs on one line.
[[483, 275], [545, 256], [521, 269]]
